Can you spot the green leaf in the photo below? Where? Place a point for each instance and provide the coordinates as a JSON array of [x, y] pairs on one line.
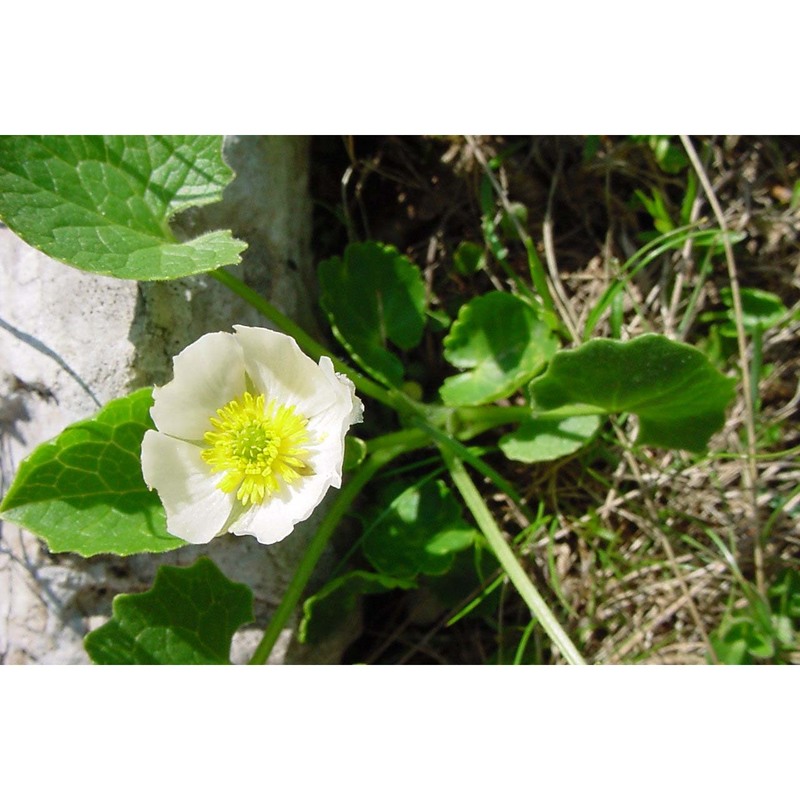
[[103, 203], [188, 617], [548, 439], [760, 309], [730, 643], [83, 492], [679, 397], [419, 531], [474, 574], [355, 451], [784, 594], [327, 610], [739, 640], [500, 340], [469, 258], [374, 296]]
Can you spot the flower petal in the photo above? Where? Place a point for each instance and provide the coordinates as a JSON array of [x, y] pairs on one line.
[[275, 519], [282, 371], [348, 409], [207, 375], [197, 510]]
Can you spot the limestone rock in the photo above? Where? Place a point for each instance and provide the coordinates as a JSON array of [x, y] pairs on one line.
[[71, 341]]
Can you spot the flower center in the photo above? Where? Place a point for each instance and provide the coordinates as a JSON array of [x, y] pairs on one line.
[[256, 444]]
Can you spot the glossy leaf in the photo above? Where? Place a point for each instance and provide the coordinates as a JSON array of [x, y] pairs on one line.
[[501, 343], [374, 296], [548, 439], [679, 397], [83, 492], [103, 203], [188, 617], [331, 606], [418, 531]]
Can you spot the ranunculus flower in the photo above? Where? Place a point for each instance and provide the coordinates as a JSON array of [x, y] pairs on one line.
[[250, 436]]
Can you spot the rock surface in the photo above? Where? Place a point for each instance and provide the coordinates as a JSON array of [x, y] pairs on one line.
[[71, 341]]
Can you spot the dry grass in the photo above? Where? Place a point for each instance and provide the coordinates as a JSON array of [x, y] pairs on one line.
[[642, 551]]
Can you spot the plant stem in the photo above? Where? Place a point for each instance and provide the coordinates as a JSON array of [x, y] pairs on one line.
[[508, 560], [384, 449], [307, 343], [537, 271], [750, 475], [471, 421]]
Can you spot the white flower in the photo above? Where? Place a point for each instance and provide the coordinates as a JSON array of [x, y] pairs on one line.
[[250, 436]]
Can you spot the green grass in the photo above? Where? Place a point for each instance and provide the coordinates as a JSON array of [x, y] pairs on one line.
[[647, 555]]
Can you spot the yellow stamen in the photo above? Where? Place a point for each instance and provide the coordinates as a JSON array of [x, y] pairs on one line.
[[257, 445]]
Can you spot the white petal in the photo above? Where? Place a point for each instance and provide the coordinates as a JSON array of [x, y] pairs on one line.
[[208, 374], [282, 371], [197, 510], [275, 519], [347, 409], [357, 410]]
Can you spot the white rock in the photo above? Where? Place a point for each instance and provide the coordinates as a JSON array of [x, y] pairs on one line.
[[71, 341]]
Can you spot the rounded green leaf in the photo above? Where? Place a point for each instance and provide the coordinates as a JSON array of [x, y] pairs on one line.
[[419, 530], [760, 309], [188, 617], [548, 439], [679, 397], [331, 606], [469, 258], [373, 296], [83, 492], [103, 203], [501, 342]]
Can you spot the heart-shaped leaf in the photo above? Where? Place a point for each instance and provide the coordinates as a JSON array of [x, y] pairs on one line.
[[679, 397], [418, 531], [103, 203], [188, 617], [501, 342], [373, 296], [83, 492]]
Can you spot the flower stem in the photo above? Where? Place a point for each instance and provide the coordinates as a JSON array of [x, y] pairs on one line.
[[307, 343], [383, 449], [508, 560]]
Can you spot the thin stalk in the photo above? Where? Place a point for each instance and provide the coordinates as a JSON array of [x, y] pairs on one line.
[[307, 343], [663, 540], [751, 473], [470, 422], [755, 366], [537, 271], [637, 262], [385, 449], [505, 555], [458, 450]]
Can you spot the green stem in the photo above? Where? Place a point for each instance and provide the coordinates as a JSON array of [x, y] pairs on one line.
[[535, 266], [508, 560], [755, 366], [470, 422], [307, 343], [384, 449]]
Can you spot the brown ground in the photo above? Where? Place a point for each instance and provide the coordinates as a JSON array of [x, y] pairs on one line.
[[642, 547]]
